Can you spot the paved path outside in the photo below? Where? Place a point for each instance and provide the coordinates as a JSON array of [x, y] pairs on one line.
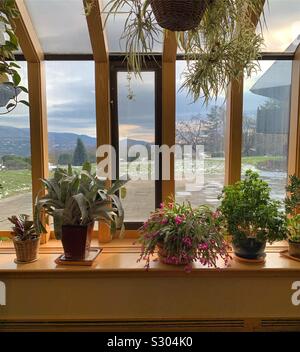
[[19, 204]]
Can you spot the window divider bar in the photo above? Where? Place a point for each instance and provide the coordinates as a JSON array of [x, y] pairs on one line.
[[294, 136]]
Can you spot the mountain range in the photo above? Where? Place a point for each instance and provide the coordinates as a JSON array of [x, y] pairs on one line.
[[16, 141]]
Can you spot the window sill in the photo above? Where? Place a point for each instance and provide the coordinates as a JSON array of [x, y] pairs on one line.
[[120, 257]]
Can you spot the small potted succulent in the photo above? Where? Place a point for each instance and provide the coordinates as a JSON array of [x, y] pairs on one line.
[[251, 217], [75, 200], [25, 238], [292, 207], [183, 235]]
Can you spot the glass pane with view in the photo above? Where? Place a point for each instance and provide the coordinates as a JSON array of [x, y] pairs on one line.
[[15, 160], [136, 117], [203, 126], [266, 119], [71, 114]]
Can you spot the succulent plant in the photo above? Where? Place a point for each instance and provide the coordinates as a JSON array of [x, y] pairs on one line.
[[79, 198]]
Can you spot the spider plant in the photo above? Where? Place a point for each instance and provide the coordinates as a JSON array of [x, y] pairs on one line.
[[219, 50]]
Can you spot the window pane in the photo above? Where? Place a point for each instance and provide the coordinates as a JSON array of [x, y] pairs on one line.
[[60, 25], [137, 127], [71, 111], [266, 123], [282, 29], [15, 160], [115, 28], [200, 125]]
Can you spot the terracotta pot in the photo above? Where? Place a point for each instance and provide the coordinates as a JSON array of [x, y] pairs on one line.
[[26, 251], [76, 240], [163, 257], [294, 249], [249, 248]]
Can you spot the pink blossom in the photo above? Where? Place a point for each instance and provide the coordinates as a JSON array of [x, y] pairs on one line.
[[203, 247], [161, 205], [187, 241], [164, 221], [178, 220]]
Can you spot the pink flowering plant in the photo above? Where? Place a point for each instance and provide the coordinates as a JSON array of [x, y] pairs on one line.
[[184, 235]]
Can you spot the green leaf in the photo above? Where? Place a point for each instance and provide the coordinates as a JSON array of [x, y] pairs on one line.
[[24, 102]]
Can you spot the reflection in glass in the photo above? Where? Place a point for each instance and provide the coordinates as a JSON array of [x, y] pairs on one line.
[[266, 123]]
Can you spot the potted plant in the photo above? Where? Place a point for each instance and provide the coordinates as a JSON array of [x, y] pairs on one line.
[[183, 235], [251, 217], [292, 207], [25, 238], [75, 200]]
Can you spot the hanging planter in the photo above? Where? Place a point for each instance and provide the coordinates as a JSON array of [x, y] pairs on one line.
[[179, 15]]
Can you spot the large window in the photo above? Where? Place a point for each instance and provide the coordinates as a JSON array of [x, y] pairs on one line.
[[266, 123], [15, 160], [199, 125], [135, 110]]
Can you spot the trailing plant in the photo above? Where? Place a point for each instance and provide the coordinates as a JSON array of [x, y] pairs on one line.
[[23, 228], [218, 51], [248, 211], [79, 198], [292, 201], [185, 235], [9, 76]]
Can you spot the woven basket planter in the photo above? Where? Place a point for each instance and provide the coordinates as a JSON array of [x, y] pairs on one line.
[[27, 251], [179, 15]]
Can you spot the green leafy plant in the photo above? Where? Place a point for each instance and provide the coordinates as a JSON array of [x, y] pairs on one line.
[[9, 76], [79, 198], [184, 235], [293, 226], [292, 201], [249, 212], [292, 208], [23, 228], [218, 51]]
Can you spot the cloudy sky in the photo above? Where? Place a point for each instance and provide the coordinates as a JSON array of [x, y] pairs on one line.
[[70, 85]]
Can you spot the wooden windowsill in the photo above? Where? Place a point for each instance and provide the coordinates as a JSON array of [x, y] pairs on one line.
[[120, 257]]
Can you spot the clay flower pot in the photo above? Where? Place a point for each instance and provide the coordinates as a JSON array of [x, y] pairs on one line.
[[76, 240]]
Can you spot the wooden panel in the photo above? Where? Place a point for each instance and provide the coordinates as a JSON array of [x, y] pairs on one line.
[[128, 290], [234, 132], [25, 32], [169, 106], [294, 140]]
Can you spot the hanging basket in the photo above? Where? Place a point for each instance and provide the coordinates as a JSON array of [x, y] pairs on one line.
[[179, 15]]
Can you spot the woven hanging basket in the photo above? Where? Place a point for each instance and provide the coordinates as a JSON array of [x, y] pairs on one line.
[[179, 15]]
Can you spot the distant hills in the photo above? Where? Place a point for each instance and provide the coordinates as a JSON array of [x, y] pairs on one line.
[[16, 141]]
